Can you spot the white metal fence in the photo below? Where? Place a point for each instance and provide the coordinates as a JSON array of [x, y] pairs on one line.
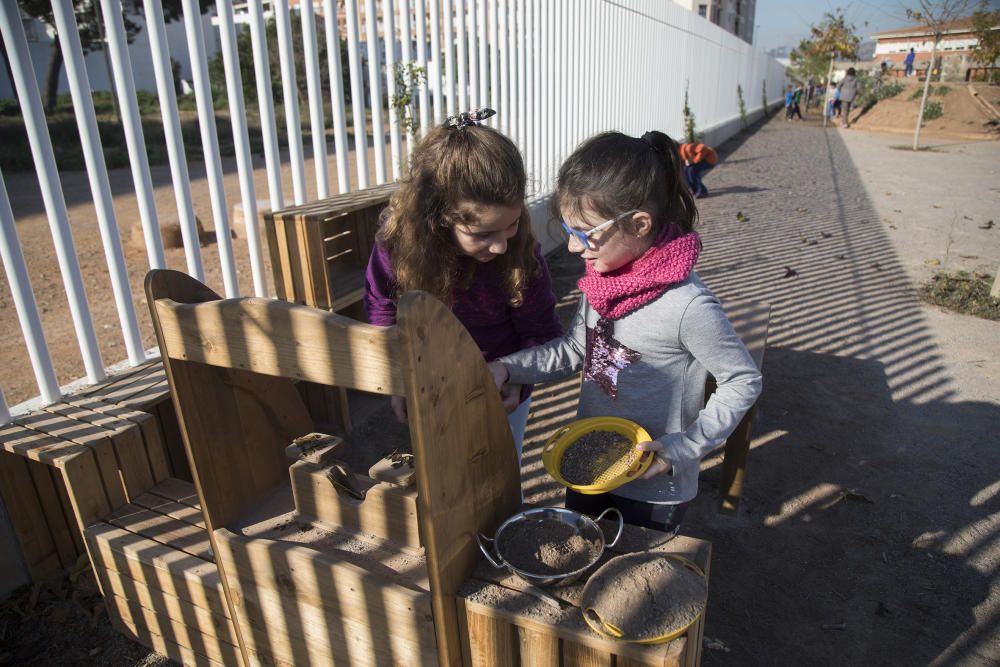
[[557, 71]]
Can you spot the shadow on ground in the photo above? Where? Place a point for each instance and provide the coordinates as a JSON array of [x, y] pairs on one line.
[[869, 532]]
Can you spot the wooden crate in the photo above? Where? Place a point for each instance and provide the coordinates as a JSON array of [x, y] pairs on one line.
[[153, 560], [505, 626], [319, 250], [63, 468]]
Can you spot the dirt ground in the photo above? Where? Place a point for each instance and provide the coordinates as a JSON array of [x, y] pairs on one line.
[[848, 548], [962, 117]]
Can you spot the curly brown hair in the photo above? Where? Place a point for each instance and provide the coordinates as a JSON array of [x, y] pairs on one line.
[[452, 167]]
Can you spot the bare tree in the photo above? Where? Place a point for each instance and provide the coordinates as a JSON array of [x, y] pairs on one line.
[[937, 15], [832, 37]]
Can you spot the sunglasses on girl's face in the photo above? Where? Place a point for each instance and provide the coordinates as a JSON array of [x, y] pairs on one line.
[[584, 237]]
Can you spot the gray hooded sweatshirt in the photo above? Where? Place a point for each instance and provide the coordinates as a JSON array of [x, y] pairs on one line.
[[680, 337]]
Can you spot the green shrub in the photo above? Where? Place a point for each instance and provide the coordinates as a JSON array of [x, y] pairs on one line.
[[962, 292], [942, 90], [933, 110], [889, 90], [916, 95]]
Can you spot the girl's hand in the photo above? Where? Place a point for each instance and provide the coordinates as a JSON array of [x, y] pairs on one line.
[[399, 409], [661, 463], [499, 373], [510, 394]]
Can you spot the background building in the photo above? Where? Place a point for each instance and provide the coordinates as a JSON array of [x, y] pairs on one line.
[[954, 50], [736, 16]]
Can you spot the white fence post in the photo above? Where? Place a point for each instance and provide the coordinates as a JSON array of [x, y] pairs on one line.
[[241, 143], [210, 143], [176, 154], [290, 95], [265, 104], [317, 121], [334, 64], [97, 174], [24, 302], [52, 195], [375, 88]]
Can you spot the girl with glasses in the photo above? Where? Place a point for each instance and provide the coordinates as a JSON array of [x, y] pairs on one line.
[[648, 331], [457, 228]]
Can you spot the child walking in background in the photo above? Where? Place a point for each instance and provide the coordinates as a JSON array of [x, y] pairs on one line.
[[796, 102], [647, 332], [789, 94], [458, 229], [698, 161]]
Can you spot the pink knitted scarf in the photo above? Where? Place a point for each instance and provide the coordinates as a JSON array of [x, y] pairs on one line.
[[616, 294]]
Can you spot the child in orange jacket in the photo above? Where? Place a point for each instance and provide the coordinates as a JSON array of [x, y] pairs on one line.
[[698, 160]]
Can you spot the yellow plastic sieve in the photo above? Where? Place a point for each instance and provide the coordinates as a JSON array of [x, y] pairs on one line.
[[625, 469]]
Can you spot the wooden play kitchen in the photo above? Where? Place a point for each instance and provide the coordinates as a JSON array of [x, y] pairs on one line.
[[279, 554]]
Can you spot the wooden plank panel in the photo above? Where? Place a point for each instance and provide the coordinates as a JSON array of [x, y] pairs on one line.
[[237, 440], [150, 431], [166, 417], [84, 488], [295, 269], [538, 649], [25, 512], [163, 529], [170, 570], [126, 438], [150, 390], [585, 656], [49, 502], [281, 624], [179, 491], [180, 612], [30, 444], [312, 269], [140, 624], [278, 255], [387, 511], [493, 642], [464, 454], [280, 339], [92, 437], [160, 505], [320, 580], [75, 532]]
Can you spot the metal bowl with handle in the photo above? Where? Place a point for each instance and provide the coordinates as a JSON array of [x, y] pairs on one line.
[[581, 523]]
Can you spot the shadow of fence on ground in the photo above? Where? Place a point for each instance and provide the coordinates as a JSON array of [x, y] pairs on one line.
[[887, 510]]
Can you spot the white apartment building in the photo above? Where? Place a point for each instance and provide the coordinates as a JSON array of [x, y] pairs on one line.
[[735, 16]]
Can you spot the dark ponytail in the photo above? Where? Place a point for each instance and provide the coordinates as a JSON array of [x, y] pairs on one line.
[[612, 173]]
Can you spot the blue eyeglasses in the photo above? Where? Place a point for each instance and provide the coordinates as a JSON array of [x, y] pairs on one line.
[[584, 237]]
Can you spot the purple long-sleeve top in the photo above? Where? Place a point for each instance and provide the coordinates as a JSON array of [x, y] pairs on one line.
[[484, 309]]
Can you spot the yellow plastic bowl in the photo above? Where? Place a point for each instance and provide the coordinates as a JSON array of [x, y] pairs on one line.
[[611, 631], [626, 469]]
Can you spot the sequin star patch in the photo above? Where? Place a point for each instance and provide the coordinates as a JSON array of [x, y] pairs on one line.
[[606, 357]]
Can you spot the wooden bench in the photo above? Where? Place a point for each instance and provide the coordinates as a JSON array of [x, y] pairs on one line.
[[750, 320], [154, 563], [72, 462]]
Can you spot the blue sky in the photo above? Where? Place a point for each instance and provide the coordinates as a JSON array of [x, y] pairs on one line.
[[785, 22]]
